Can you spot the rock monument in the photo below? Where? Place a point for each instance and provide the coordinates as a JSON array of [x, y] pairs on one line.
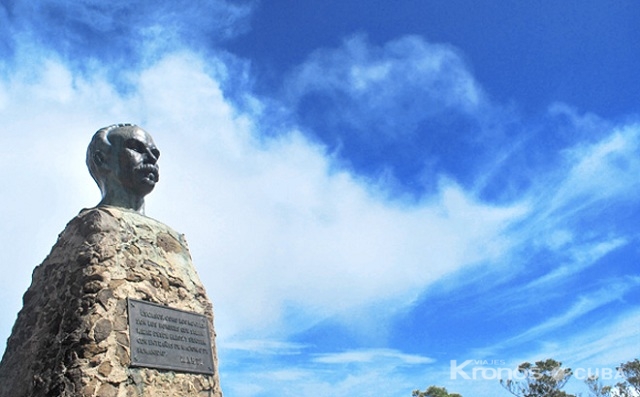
[[117, 308]]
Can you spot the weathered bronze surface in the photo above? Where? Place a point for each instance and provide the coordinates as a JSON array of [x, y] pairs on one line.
[[122, 159], [166, 338]]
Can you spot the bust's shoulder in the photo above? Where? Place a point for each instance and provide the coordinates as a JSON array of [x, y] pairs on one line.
[[90, 221], [108, 219]]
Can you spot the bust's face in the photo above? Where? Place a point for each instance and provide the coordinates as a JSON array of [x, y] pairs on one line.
[[134, 157]]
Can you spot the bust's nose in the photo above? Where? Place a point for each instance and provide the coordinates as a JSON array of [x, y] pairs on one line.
[[150, 157]]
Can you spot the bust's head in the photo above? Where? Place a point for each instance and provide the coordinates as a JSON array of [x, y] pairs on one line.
[[122, 159]]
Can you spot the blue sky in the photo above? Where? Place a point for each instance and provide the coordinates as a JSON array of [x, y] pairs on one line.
[[370, 190]]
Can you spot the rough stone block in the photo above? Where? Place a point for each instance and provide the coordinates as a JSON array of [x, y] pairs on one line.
[[71, 338]]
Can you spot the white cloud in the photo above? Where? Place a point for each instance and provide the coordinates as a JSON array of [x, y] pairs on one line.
[[550, 328], [357, 372], [594, 173], [389, 88], [264, 346], [119, 27], [372, 355], [606, 343], [274, 226], [581, 256]]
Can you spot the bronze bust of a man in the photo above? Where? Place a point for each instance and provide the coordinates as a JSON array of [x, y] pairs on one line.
[[122, 159]]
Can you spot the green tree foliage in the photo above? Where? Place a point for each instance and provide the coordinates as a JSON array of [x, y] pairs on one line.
[[542, 379], [631, 371], [596, 389], [434, 391], [629, 388]]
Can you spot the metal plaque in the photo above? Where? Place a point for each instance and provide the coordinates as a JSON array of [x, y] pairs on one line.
[[166, 338]]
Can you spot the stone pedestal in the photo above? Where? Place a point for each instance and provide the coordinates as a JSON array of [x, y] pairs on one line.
[[71, 337]]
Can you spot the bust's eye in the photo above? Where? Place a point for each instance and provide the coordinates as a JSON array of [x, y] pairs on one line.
[[135, 145]]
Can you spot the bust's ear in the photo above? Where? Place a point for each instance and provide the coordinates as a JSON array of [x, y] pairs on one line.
[[99, 159]]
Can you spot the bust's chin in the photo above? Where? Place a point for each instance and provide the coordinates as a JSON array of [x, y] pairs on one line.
[[144, 187], [148, 182]]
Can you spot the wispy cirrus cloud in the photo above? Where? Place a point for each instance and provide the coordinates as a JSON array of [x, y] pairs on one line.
[[371, 355], [551, 327], [598, 172], [581, 257], [124, 34], [265, 346], [341, 373]]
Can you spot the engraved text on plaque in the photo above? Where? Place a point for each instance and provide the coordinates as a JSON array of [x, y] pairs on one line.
[[166, 338]]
